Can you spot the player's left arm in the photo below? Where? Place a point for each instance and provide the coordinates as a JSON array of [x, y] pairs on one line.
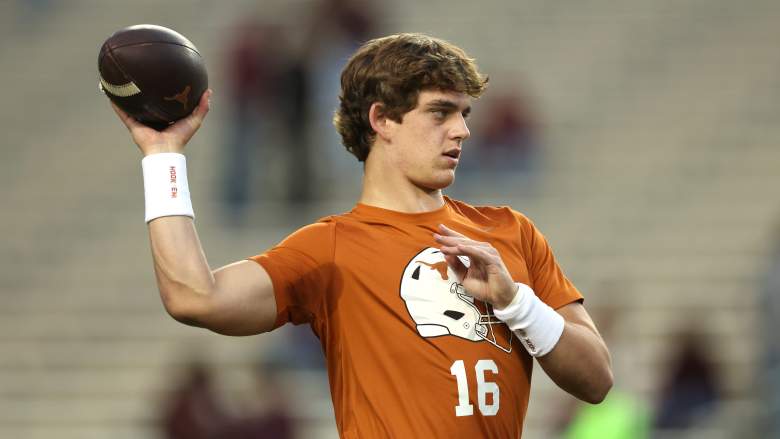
[[565, 341], [580, 362]]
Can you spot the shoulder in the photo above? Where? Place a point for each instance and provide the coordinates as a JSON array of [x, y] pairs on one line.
[[321, 236], [322, 229], [488, 213], [315, 240]]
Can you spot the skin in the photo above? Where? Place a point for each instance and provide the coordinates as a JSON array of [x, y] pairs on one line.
[[411, 161]]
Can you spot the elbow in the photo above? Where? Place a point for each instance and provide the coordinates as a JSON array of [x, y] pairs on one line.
[[199, 310], [599, 390], [181, 314], [182, 310]]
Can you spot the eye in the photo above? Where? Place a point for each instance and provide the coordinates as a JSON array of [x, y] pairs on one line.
[[439, 114]]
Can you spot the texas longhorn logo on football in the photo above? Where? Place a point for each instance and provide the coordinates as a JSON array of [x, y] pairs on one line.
[[182, 97], [439, 305]]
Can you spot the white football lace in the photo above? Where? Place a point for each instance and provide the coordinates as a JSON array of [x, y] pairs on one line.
[[122, 91]]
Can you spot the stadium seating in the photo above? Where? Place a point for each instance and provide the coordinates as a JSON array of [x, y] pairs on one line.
[[659, 177]]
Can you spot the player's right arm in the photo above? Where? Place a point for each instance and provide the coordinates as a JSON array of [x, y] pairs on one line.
[[237, 299]]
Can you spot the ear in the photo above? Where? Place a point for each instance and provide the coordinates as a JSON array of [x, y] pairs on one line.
[[380, 123]]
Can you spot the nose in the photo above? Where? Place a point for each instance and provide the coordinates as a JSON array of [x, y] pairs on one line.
[[460, 131]]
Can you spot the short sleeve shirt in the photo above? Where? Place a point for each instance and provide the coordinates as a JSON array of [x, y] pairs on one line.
[[409, 353]]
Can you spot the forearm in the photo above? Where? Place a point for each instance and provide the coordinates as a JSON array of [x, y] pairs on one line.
[[565, 341], [580, 363], [183, 275]]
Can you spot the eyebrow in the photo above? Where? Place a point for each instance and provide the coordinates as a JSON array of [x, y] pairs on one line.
[[444, 104]]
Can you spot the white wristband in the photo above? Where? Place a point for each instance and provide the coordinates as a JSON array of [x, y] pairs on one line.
[[165, 186], [536, 324]]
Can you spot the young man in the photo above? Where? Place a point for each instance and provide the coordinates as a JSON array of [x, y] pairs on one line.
[[429, 310]]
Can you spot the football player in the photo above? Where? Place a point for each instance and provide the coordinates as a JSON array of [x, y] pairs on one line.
[[430, 311]]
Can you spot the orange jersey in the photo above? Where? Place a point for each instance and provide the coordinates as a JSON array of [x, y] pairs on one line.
[[409, 353]]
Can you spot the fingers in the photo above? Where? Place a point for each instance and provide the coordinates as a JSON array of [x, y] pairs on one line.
[[195, 119], [184, 129], [449, 232], [203, 105], [455, 244], [453, 241], [478, 265], [479, 254], [452, 238]]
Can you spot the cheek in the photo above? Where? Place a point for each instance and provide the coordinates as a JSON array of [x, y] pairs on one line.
[[416, 146], [428, 140], [419, 145]]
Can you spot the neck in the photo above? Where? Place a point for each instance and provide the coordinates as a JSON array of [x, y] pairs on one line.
[[390, 190]]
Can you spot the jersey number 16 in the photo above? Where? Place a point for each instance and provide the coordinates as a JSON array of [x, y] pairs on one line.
[[464, 408]]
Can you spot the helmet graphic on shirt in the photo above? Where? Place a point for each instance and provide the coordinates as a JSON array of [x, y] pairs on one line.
[[439, 305]]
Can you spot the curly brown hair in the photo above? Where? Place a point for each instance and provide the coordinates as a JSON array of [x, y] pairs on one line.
[[393, 70]]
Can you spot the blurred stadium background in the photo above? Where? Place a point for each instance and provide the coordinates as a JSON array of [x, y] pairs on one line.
[[657, 184]]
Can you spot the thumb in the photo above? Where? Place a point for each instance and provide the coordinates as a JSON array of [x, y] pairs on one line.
[[195, 119], [190, 124]]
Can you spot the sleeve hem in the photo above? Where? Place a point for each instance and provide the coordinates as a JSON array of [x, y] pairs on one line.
[[269, 268], [566, 301]]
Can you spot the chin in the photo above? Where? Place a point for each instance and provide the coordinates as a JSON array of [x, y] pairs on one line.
[[440, 181]]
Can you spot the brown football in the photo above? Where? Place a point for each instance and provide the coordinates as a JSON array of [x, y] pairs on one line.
[[153, 73]]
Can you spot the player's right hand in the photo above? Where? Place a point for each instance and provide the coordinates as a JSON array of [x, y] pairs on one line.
[[172, 138]]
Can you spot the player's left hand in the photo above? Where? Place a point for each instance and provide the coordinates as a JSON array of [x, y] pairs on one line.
[[486, 278]]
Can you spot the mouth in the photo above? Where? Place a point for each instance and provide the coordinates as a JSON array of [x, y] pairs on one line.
[[453, 153], [451, 156]]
